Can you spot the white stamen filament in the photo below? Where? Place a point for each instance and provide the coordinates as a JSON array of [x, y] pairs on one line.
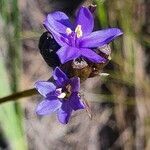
[[78, 31], [68, 31], [62, 95]]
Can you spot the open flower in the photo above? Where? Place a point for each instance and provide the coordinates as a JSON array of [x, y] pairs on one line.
[[77, 39], [62, 96]]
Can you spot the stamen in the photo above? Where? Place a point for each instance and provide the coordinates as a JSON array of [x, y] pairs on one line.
[[59, 91], [68, 88], [62, 95], [78, 31], [68, 31]]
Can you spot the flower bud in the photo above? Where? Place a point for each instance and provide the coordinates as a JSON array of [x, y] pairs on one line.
[[79, 68], [105, 52]]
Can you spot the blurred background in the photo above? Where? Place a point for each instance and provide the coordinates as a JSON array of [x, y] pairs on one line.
[[120, 102]]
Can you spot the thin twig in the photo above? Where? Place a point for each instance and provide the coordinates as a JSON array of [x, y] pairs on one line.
[[19, 95]]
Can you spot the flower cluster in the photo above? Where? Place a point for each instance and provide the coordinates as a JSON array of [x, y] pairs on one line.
[[79, 52]]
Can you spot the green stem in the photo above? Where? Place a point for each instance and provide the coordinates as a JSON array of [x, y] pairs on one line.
[[19, 95]]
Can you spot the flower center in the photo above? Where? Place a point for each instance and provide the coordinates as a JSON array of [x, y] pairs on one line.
[[78, 31], [60, 94], [64, 93], [73, 36]]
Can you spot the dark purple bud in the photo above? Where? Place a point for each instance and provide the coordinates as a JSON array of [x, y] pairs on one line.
[[48, 48]]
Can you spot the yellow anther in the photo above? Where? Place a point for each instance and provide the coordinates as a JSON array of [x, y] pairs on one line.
[[78, 31], [68, 31]]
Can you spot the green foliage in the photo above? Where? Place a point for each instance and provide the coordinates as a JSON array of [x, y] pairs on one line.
[[101, 12], [11, 115]]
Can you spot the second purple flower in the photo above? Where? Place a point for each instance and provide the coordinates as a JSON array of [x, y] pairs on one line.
[[61, 97]]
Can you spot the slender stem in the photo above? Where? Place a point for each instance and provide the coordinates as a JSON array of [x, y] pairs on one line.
[[19, 95]]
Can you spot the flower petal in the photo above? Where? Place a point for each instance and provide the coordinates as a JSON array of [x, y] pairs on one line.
[[75, 102], [99, 38], [60, 39], [92, 56], [64, 113], [67, 53], [57, 21], [48, 106], [75, 84], [59, 76], [85, 19], [44, 87]]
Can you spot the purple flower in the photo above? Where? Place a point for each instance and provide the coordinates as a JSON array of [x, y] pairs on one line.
[[77, 39], [62, 96]]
